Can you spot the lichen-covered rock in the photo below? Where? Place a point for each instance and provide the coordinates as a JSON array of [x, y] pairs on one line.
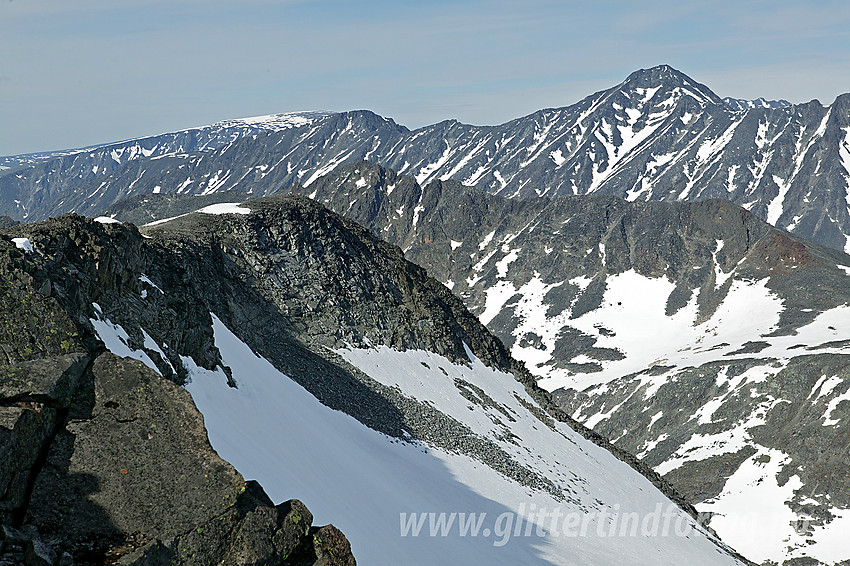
[[331, 547]]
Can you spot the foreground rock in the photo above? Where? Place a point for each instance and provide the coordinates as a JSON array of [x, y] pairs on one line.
[[102, 460]]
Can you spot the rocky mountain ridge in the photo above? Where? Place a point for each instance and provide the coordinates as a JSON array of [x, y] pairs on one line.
[[687, 333], [740, 104], [104, 461]]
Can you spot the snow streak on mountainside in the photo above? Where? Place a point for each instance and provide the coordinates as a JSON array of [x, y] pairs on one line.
[[659, 135]]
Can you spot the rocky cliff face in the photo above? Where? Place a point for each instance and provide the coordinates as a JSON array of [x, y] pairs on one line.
[[525, 266], [103, 459]]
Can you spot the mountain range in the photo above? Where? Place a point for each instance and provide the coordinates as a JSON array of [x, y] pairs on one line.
[[702, 323], [658, 135], [695, 335]]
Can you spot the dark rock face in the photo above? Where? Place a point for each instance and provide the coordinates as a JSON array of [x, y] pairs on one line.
[[79, 262], [118, 463], [476, 243], [333, 280], [102, 460], [253, 531]]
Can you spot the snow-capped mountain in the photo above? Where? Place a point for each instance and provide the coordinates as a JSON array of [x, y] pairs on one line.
[[658, 135], [695, 335], [330, 369]]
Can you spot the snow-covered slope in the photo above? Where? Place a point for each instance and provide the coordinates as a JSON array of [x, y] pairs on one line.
[[370, 485], [693, 335]]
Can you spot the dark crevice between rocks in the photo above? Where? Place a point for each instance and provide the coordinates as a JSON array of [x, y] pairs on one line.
[[18, 515]]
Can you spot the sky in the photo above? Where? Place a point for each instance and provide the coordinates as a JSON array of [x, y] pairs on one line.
[[82, 72]]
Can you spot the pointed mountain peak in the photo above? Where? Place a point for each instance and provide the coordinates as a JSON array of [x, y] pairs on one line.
[[667, 78], [658, 74]]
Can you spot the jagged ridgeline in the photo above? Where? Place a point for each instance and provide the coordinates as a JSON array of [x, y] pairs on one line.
[[326, 367], [658, 135]]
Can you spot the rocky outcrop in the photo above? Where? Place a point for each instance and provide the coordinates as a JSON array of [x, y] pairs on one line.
[[253, 531], [120, 471], [143, 209], [334, 282], [102, 459]]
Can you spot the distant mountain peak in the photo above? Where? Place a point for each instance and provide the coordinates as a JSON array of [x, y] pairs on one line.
[[666, 77], [663, 72]]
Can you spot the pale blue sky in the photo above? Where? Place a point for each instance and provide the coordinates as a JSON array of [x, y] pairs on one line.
[[81, 72]]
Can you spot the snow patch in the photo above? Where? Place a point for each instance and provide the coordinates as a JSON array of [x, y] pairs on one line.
[[225, 208], [116, 339], [502, 264], [751, 511], [558, 157], [486, 241], [145, 279], [24, 244]]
